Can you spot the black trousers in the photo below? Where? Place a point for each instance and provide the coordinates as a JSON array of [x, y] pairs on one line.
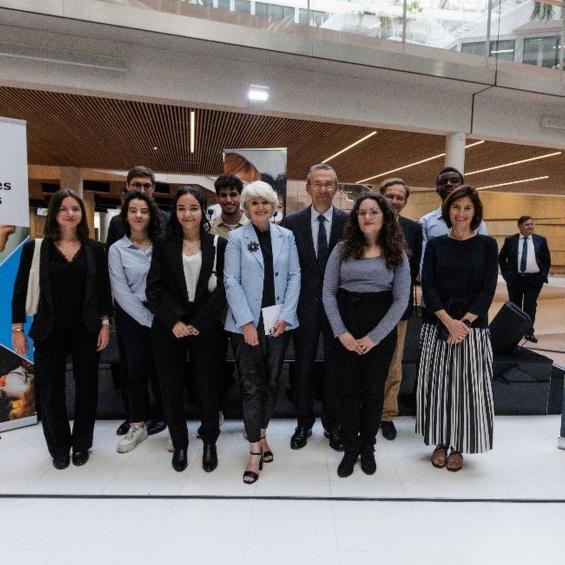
[[523, 290], [305, 340], [140, 367], [50, 363], [128, 350], [259, 370], [170, 355], [363, 377]]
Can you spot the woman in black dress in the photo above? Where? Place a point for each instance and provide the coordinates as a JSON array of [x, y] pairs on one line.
[[75, 303], [454, 398], [185, 291]]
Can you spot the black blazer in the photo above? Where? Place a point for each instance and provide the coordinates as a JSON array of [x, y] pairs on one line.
[[166, 291], [413, 234], [97, 293], [300, 224], [508, 258], [116, 228]]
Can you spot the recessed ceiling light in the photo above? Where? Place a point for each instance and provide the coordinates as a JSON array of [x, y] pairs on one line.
[[554, 154], [512, 182], [192, 140], [155, 148], [258, 93], [350, 146], [415, 163]]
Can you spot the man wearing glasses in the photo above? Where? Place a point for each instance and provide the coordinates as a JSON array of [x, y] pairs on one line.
[[316, 229], [141, 179]]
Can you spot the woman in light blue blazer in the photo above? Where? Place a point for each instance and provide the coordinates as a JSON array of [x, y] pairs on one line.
[[262, 282]]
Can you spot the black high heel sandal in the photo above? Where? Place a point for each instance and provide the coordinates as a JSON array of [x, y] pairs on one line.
[[267, 456], [252, 474]]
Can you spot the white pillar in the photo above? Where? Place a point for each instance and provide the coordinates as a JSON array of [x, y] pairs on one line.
[[455, 151]]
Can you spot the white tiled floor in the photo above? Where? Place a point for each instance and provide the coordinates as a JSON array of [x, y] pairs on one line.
[[405, 529]]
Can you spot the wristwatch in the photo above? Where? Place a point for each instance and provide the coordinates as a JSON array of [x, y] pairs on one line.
[[468, 323]]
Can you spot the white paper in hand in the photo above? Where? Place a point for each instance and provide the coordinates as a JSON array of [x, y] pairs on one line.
[[270, 317]]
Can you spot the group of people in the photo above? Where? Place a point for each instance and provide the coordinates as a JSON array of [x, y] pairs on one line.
[[184, 286]]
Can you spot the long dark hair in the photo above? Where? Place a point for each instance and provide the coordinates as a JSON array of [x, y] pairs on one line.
[[154, 226], [51, 228], [390, 237], [174, 229]]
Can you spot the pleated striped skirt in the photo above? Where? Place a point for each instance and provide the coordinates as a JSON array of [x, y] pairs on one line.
[[454, 396]]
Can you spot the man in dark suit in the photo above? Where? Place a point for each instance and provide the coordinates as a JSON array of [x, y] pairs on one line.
[[142, 179], [396, 191], [316, 229], [524, 262]]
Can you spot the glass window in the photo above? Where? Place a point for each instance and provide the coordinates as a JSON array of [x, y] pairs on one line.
[[542, 52], [224, 4], [207, 3], [475, 48], [243, 6], [502, 49]]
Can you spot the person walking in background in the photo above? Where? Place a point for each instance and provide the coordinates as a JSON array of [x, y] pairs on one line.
[[185, 291], [139, 179], [75, 304], [524, 263], [396, 191], [366, 292], [262, 280], [128, 262], [454, 395], [316, 229]]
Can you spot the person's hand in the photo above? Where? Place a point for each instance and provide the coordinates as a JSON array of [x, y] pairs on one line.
[[250, 335], [279, 328], [366, 344], [19, 343], [180, 329], [192, 330], [103, 338], [458, 331], [350, 343]]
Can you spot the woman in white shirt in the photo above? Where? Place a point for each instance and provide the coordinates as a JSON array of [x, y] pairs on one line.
[[185, 291], [129, 259]]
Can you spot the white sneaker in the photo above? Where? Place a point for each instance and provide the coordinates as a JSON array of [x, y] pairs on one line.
[[170, 446], [136, 434], [561, 442]]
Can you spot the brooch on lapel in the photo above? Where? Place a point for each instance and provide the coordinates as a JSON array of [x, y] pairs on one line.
[[253, 246]]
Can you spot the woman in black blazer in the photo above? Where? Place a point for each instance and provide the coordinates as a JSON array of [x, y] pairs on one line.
[[185, 291], [72, 318]]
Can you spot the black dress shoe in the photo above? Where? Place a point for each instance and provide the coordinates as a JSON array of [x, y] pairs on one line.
[[531, 337], [345, 468], [368, 463], [389, 430], [335, 439], [155, 426], [61, 462], [122, 429], [300, 437], [180, 460], [80, 458], [209, 457]]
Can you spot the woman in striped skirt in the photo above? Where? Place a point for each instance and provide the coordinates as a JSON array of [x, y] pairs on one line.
[[454, 400]]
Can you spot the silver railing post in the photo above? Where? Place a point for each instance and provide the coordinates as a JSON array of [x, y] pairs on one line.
[[489, 22], [404, 22]]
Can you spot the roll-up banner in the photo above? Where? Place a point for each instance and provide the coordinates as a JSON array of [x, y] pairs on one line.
[[17, 398], [269, 165]]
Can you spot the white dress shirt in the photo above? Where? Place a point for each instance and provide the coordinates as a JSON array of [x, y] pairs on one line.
[[531, 263], [328, 214]]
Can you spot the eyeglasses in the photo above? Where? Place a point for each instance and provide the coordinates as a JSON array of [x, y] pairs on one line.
[[141, 186], [372, 213], [318, 185]]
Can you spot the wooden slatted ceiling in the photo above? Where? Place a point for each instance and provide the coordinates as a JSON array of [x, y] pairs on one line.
[[93, 132]]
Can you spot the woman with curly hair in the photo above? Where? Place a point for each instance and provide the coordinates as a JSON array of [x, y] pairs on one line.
[[366, 291], [129, 259]]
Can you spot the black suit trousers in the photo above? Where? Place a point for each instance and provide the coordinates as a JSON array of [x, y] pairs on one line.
[[50, 364], [305, 340], [170, 355], [523, 290]]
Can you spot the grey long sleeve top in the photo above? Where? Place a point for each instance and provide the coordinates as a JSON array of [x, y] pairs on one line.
[[366, 275]]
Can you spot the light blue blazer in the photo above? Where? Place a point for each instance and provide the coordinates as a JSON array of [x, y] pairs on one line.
[[244, 273]]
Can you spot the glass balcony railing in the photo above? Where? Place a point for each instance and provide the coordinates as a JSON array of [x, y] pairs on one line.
[[521, 31]]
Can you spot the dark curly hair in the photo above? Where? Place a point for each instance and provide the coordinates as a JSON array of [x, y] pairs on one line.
[[390, 237], [154, 226], [174, 229]]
